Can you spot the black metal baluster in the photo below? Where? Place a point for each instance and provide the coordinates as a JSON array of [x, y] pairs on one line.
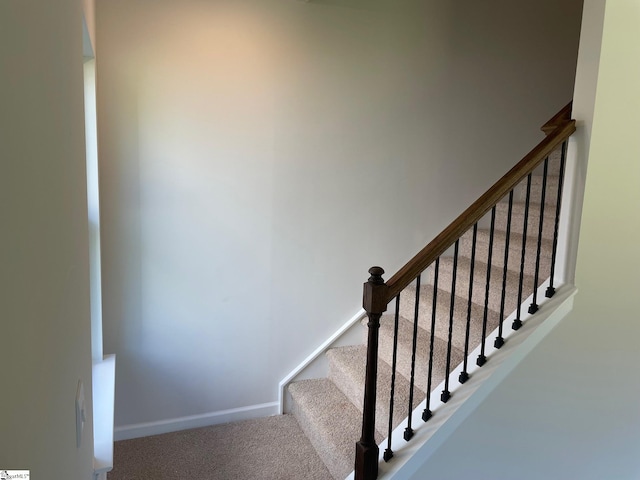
[[446, 394], [550, 289], [482, 359], [427, 414], [408, 432], [517, 323], [388, 453], [499, 342], [464, 375], [533, 308]]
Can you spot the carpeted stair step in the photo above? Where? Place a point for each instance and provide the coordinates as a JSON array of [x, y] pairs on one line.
[[347, 371], [517, 219], [515, 250], [479, 283], [405, 343], [554, 164], [331, 422], [551, 190], [460, 310]]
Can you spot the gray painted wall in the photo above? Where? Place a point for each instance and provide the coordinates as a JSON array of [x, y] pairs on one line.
[[258, 157], [571, 410], [44, 290]]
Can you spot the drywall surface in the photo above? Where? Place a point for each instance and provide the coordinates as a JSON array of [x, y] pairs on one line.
[[570, 410], [44, 273], [89, 12], [257, 157]]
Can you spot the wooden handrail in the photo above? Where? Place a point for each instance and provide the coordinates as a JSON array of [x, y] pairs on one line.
[[480, 207], [558, 119]]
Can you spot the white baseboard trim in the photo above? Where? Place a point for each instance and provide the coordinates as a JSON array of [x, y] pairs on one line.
[[316, 353], [126, 432]]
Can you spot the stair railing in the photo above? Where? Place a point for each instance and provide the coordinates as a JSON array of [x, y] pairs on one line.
[[378, 293]]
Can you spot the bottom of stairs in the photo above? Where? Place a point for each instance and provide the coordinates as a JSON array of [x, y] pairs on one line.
[[329, 410], [330, 421]]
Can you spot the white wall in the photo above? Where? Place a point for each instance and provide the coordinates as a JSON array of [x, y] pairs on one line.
[[89, 12], [258, 157], [570, 410], [44, 291]]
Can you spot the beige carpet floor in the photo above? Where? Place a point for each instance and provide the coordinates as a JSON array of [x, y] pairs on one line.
[[271, 448]]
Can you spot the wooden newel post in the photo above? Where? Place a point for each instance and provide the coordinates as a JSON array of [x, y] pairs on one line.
[[375, 304]]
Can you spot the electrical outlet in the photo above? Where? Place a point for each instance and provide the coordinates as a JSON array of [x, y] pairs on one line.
[[81, 416]]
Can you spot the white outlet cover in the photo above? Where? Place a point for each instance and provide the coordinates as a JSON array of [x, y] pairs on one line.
[[80, 413]]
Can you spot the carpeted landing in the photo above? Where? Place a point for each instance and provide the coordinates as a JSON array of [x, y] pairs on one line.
[[270, 448], [318, 440]]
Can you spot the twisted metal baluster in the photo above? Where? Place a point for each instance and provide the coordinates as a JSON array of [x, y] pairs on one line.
[[550, 289], [388, 453], [446, 394], [517, 323], [482, 359], [499, 342], [408, 432], [427, 414], [464, 375], [533, 308]]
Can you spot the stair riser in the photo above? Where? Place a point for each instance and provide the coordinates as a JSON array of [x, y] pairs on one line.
[[305, 421], [332, 427], [347, 372]]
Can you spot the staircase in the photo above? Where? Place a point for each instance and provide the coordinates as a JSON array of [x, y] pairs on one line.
[[473, 293]]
